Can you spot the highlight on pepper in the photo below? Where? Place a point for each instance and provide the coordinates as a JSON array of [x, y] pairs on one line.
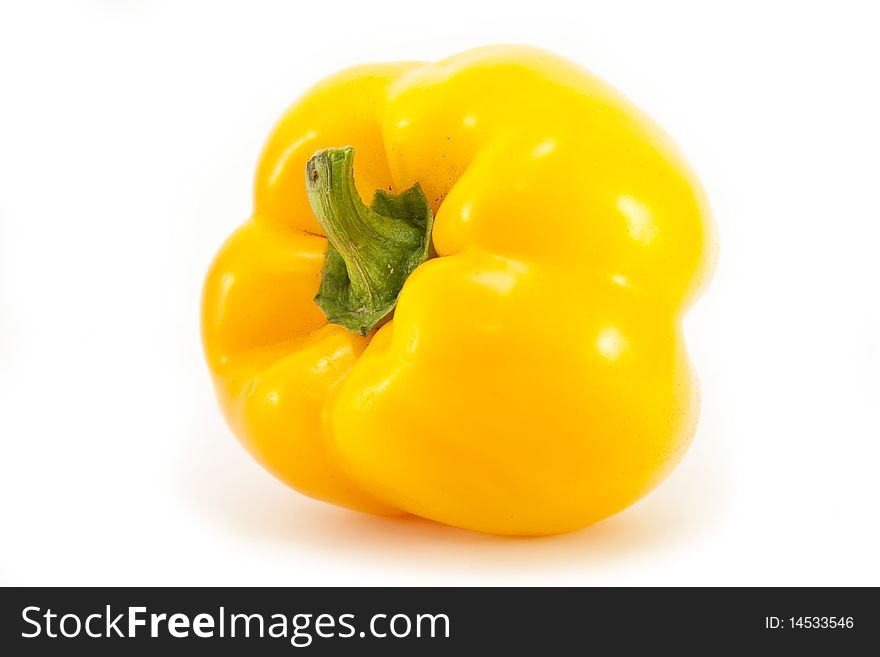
[[460, 295]]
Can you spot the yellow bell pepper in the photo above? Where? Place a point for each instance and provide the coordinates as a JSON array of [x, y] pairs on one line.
[[495, 343]]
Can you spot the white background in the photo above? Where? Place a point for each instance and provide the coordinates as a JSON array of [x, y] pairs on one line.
[[129, 133]]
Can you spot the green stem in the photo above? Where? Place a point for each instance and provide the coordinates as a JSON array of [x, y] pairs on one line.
[[371, 250]]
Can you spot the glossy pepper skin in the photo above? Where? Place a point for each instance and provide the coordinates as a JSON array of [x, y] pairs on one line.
[[533, 378]]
